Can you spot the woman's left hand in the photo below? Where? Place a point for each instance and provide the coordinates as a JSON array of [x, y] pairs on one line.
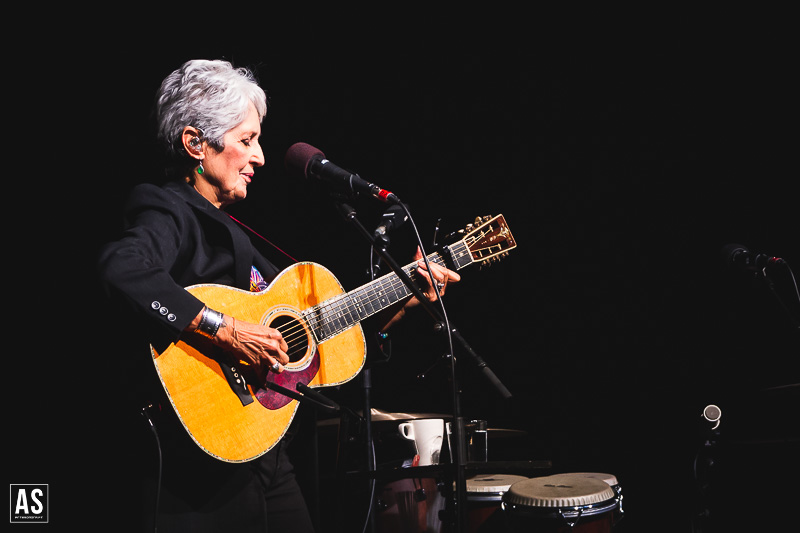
[[443, 277]]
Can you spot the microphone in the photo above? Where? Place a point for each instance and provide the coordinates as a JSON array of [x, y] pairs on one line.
[[739, 256], [393, 218], [310, 162], [712, 413]]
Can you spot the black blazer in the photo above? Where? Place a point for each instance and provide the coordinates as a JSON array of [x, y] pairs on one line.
[[174, 238]]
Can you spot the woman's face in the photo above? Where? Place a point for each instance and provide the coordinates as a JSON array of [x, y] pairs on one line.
[[227, 173]]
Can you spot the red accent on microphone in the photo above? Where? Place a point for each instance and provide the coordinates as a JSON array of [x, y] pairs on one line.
[[384, 195]]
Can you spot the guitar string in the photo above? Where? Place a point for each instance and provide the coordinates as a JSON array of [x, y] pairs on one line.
[[343, 306], [344, 303], [375, 292], [339, 307], [334, 310]]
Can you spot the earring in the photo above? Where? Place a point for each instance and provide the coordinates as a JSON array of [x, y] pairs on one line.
[[195, 144]]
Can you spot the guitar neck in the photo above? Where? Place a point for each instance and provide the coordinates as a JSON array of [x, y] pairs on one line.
[[333, 316]]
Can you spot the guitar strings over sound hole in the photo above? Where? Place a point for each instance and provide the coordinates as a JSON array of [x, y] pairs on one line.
[[295, 335]]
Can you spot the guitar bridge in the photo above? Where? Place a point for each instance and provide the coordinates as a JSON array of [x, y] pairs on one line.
[[237, 383]]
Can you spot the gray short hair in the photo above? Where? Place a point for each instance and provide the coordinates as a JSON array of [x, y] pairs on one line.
[[211, 96]]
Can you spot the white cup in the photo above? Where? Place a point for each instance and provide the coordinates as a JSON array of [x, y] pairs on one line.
[[427, 436]]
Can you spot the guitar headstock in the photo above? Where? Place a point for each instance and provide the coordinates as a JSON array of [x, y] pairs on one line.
[[485, 241]]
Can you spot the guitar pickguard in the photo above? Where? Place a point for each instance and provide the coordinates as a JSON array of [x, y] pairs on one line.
[[288, 379]]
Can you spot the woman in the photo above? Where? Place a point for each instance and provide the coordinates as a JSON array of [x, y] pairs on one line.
[[209, 117]]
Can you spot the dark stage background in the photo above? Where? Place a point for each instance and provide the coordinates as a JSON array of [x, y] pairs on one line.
[[622, 165]]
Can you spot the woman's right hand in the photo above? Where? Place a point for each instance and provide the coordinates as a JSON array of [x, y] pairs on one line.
[[262, 348]]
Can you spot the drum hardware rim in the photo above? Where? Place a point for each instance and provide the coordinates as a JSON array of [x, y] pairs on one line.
[[619, 499], [595, 508], [600, 510], [485, 496], [576, 510]]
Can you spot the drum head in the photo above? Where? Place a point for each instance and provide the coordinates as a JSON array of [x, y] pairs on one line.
[[608, 478], [559, 491], [492, 483]]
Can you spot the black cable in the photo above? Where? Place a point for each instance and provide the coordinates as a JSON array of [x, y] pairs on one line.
[[146, 416], [771, 286], [446, 326], [433, 282], [458, 461], [373, 483]]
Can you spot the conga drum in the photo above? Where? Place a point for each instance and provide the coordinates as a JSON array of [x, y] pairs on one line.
[[484, 498], [611, 479], [562, 503], [408, 506]]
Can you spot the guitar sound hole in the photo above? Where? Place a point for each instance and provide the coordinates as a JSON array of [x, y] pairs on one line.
[[294, 334]]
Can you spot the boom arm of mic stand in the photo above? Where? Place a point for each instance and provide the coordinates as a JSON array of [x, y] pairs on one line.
[[482, 366]]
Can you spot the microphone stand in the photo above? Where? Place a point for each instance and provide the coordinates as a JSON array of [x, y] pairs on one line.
[[459, 457]]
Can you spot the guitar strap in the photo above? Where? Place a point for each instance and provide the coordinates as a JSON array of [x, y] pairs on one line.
[[254, 232]]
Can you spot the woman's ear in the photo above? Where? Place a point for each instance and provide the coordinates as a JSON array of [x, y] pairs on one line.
[[192, 140]]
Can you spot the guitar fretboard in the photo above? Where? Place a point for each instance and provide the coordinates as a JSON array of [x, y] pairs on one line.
[[333, 316]]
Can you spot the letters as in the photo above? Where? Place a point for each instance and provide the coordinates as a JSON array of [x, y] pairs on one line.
[[22, 502]]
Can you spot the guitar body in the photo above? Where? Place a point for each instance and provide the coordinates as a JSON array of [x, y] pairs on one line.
[[241, 426]]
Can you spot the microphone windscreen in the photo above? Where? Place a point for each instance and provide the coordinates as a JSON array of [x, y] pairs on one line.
[[730, 251], [712, 413], [299, 156]]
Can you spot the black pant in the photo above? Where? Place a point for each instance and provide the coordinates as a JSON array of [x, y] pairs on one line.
[[202, 494]]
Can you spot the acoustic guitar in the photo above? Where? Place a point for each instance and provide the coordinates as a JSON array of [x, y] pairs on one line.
[[235, 420]]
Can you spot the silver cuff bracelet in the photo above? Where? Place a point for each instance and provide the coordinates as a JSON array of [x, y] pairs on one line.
[[210, 323]]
